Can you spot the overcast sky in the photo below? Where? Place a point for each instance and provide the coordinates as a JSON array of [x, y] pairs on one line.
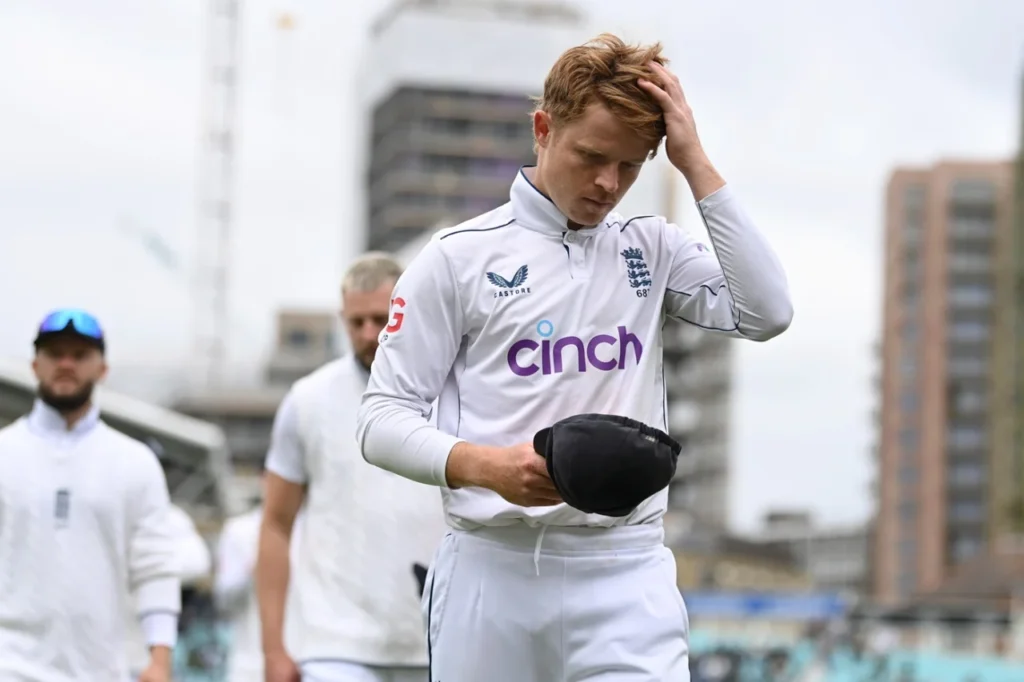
[[804, 105]]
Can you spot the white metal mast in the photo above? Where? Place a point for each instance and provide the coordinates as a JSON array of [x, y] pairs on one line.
[[216, 214]]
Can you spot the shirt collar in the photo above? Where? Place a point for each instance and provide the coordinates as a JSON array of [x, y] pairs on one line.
[[45, 419], [533, 209], [361, 372]]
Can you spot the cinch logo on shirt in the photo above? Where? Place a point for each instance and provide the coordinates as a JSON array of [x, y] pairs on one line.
[[603, 352]]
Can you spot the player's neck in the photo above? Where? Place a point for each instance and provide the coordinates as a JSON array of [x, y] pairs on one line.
[[72, 417], [537, 180]]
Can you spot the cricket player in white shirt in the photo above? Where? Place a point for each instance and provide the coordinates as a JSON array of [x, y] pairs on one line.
[[550, 306], [235, 592], [83, 527], [367, 534]]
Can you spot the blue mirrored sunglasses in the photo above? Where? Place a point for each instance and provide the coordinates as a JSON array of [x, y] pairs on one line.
[[81, 322]]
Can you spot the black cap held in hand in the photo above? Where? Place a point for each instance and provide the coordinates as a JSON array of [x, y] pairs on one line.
[[606, 464]]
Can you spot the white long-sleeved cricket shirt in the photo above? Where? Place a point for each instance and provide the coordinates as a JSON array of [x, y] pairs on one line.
[[83, 531], [513, 322]]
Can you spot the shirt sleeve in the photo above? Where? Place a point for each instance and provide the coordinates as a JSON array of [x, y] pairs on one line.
[[740, 288], [193, 554], [236, 561], [153, 564], [286, 457], [160, 629], [416, 354]]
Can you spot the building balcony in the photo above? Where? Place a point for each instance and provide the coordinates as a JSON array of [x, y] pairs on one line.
[[418, 142], [413, 181]]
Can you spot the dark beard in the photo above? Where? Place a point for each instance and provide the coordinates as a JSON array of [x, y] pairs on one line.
[[67, 403]]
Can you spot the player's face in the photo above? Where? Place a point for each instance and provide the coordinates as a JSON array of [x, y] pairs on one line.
[[68, 368], [587, 166], [365, 314]]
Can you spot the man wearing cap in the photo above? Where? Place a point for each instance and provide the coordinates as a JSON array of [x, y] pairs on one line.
[[84, 527], [547, 308]]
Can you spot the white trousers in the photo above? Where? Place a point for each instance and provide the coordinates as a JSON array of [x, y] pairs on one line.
[[520, 604], [340, 671]]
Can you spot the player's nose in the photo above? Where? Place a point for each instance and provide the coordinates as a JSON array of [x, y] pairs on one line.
[[608, 179]]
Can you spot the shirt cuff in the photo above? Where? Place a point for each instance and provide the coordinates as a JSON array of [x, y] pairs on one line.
[[439, 446], [160, 629], [712, 201]]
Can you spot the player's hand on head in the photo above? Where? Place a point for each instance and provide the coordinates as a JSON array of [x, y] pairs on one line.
[[682, 146], [280, 668], [521, 477]]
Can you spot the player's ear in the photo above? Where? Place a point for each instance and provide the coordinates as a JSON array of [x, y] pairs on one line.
[[542, 128]]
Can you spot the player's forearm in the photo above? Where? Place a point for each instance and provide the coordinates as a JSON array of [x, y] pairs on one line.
[[273, 571], [469, 466], [702, 176], [756, 280], [162, 656], [398, 438]]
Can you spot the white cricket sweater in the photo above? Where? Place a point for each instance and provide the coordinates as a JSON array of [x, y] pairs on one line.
[[355, 594], [83, 527], [513, 322]]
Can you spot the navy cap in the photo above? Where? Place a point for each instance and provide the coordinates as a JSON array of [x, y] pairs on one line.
[[607, 464]]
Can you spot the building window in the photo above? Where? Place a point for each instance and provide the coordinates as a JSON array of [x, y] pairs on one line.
[[969, 331], [973, 191], [908, 474], [966, 437], [966, 511], [298, 339], [967, 473], [969, 402], [967, 367], [970, 295], [969, 263], [913, 197], [907, 583], [908, 440], [964, 546], [966, 226], [909, 402], [908, 365]]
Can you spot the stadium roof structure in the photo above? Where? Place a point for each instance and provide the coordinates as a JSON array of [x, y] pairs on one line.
[[194, 453]]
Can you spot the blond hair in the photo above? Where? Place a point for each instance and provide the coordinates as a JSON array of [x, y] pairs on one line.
[[606, 70], [370, 272]]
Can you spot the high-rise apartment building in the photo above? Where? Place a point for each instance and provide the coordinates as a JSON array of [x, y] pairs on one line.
[[448, 87], [1017, 516], [946, 448]]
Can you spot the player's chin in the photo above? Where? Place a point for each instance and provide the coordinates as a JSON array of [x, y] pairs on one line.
[[590, 212]]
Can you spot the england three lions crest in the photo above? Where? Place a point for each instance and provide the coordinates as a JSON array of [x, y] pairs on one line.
[[637, 273]]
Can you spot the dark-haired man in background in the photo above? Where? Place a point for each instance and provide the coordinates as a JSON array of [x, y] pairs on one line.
[[83, 527]]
